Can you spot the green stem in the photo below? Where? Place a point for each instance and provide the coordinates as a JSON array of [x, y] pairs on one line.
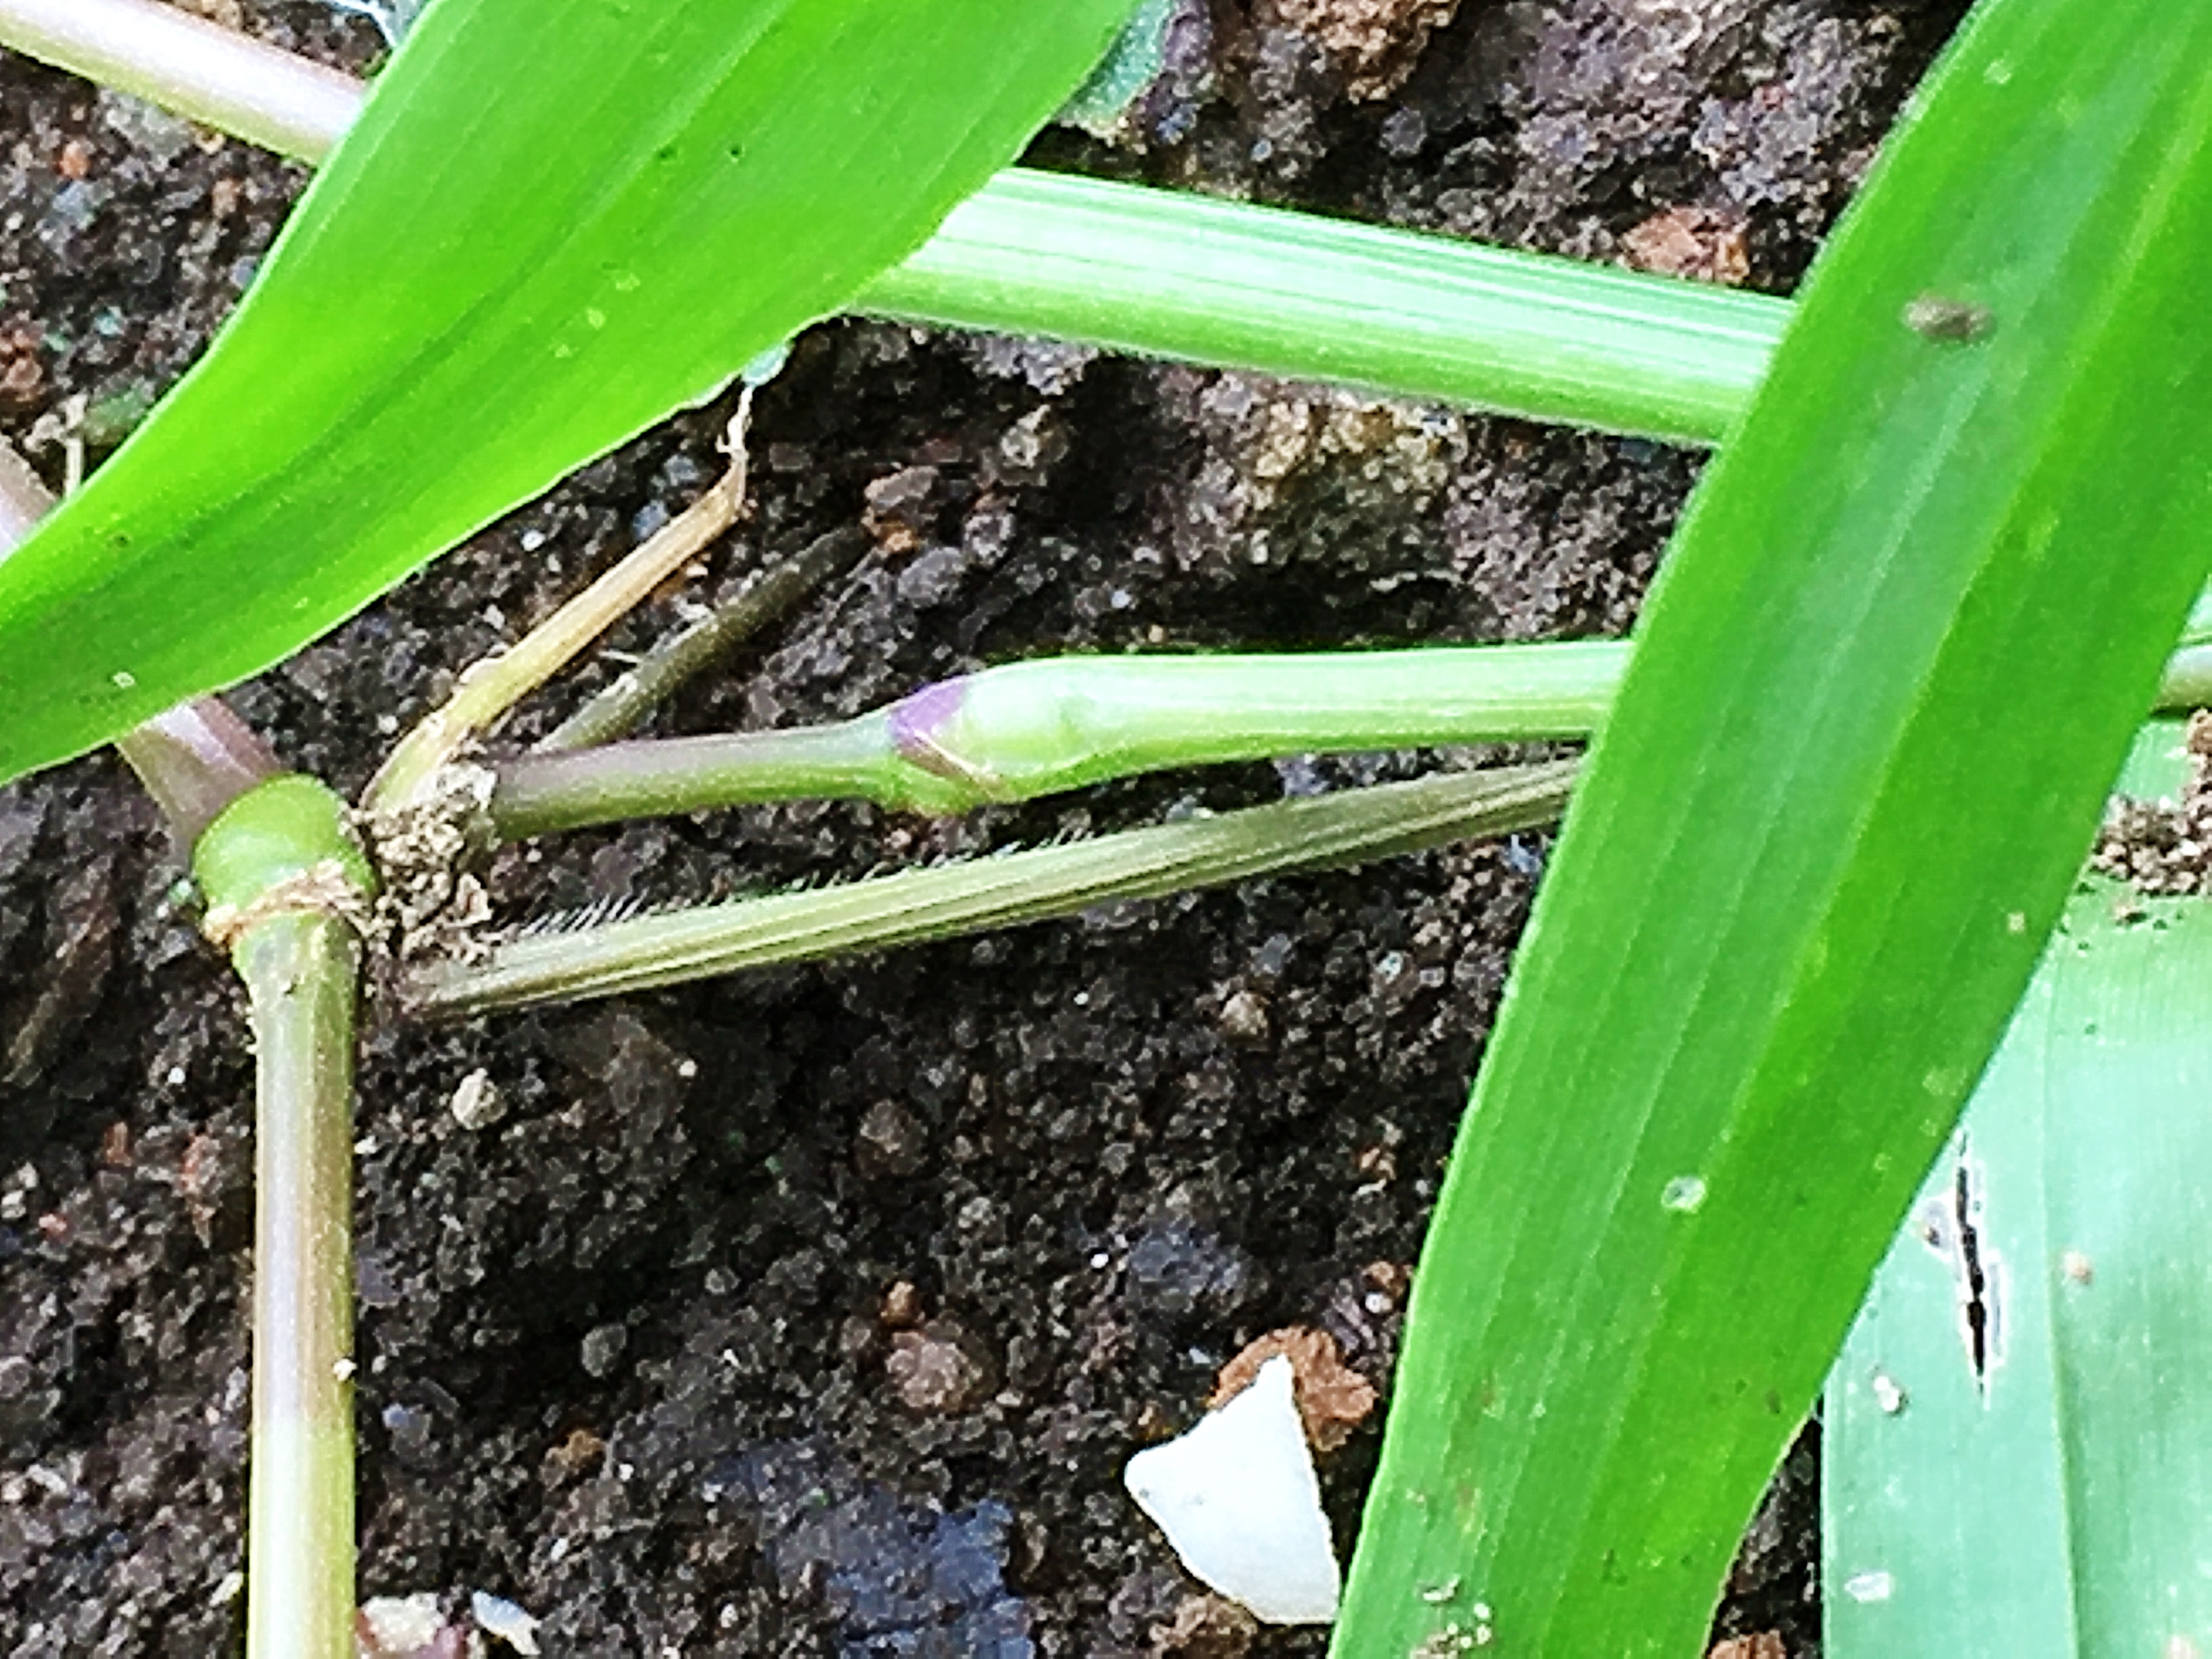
[[1166, 274], [622, 706], [300, 971], [1154, 272], [1036, 728], [282, 878], [2187, 680], [995, 892], [214, 74]]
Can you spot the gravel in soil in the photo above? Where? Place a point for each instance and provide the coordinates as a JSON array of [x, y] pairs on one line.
[[815, 1312]]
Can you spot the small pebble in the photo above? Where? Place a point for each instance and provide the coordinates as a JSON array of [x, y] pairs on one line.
[[402, 1626], [890, 1141], [1244, 1019], [603, 1348], [505, 1620], [901, 1305], [941, 1369], [477, 1103]]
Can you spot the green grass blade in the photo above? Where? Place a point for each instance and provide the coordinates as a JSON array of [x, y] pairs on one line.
[[1150, 272], [1892, 662], [2062, 1508], [556, 220]]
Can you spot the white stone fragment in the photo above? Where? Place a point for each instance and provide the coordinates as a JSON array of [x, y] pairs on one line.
[[401, 1624], [477, 1103], [509, 1623], [1238, 1500]]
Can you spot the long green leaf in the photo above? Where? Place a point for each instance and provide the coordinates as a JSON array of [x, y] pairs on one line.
[[556, 220], [2054, 1497], [1890, 667], [1135, 270]]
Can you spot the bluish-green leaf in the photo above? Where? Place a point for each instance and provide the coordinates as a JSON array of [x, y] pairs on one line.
[[1908, 624], [557, 221], [2056, 1497]]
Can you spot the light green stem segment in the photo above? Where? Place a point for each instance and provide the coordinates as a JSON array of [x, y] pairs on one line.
[[1166, 274], [1038, 727], [280, 872], [164, 54], [995, 892], [301, 971]]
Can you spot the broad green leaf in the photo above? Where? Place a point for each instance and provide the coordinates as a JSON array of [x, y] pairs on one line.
[[2054, 1500], [1894, 658], [556, 220]]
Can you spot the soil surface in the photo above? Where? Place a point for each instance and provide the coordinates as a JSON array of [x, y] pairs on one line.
[[815, 1312]]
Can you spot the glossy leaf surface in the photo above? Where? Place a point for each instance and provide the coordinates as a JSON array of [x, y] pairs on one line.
[[1894, 661], [556, 221]]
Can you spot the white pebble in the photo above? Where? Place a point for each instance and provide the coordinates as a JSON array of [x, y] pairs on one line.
[[477, 1103], [402, 1624], [509, 1623], [1239, 1501]]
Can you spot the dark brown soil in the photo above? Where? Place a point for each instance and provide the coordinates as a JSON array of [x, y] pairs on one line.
[[624, 1353]]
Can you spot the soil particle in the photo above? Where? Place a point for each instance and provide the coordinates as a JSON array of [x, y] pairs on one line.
[[1373, 45], [941, 1369], [1767, 1644], [1206, 1627], [1101, 1159], [891, 1576], [890, 1141], [602, 1349], [1704, 244], [476, 1103], [1333, 1399], [902, 1306], [2164, 848]]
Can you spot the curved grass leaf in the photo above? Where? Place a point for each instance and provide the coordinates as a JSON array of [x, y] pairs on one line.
[[556, 220], [1909, 621], [2054, 1499]]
